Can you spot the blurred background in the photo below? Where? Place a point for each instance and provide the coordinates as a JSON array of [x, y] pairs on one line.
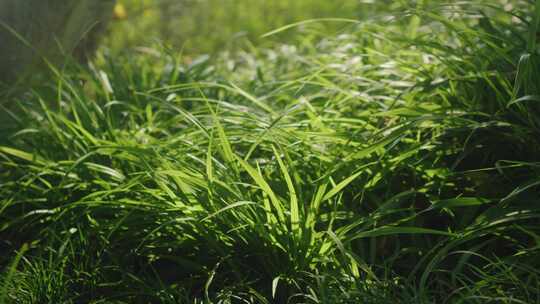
[[192, 27], [208, 26]]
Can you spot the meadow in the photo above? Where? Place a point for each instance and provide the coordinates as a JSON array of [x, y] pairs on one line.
[[382, 152]]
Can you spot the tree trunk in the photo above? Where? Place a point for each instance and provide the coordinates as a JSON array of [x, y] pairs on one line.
[[31, 30]]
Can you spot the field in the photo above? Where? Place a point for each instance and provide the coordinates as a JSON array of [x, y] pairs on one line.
[[381, 152]]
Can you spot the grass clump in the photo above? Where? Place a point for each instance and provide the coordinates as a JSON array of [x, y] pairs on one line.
[[396, 162]]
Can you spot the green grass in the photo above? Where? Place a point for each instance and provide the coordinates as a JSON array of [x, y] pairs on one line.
[[395, 162]]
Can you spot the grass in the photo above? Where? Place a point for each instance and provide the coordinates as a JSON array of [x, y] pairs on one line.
[[395, 162]]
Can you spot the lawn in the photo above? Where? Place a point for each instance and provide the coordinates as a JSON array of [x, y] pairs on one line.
[[362, 153]]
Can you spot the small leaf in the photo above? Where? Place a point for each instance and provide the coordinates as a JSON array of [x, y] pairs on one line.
[[294, 209], [258, 178], [228, 207], [521, 189], [459, 202], [18, 153], [398, 230], [340, 186], [524, 98], [275, 283]]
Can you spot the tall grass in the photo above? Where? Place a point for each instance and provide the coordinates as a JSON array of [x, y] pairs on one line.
[[375, 166]]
